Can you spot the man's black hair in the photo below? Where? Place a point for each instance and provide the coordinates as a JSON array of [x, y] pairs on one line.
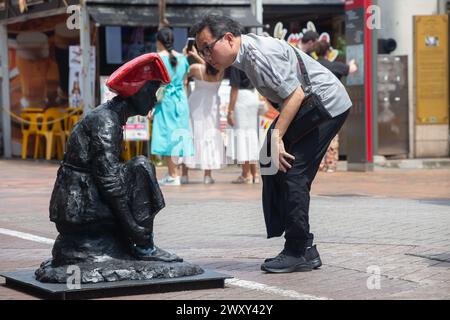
[[218, 25], [310, 36]]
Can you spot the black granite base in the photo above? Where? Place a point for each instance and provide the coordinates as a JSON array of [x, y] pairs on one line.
[[26, 281]]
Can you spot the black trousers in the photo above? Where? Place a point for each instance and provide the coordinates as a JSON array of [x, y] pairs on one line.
[[286, 195]]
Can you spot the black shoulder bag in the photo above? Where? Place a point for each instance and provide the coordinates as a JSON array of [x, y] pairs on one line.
[[312, 112]]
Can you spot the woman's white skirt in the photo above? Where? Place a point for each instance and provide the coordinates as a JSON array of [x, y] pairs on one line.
[[243, 143], [209, 149]]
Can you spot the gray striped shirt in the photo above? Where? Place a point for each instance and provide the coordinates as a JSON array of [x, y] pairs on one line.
[[272, 67]]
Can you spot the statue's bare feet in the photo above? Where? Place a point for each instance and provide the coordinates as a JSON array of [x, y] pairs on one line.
[[155, 254]]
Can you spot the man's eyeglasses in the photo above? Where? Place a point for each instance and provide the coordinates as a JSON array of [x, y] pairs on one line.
[[207, 50]]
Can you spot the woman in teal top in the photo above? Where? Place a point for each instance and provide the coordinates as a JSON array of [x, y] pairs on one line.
[[171, 133]]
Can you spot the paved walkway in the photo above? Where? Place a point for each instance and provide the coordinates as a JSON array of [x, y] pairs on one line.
[[394, 222]]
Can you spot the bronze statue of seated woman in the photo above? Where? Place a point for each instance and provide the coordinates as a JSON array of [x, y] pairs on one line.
[[104, 209]]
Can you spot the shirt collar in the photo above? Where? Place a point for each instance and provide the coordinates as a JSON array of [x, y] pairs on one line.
[[241, 52]]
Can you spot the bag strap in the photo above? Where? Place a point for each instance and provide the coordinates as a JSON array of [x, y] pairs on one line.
[[308, 88]]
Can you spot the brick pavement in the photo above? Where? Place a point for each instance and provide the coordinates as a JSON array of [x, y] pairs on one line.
[[396, 220]]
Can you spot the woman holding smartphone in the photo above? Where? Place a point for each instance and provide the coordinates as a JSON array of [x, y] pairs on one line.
[[171, 136], [204, 102]]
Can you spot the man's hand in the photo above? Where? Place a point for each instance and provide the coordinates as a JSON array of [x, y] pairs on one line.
[[280, 156], [291, 105]]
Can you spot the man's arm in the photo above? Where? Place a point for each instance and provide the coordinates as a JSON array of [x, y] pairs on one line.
[[290, 107], [278, 71], [233, 97], [340, 69], [235, 83]]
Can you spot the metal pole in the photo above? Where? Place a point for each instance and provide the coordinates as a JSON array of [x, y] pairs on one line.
[[374, 91], [163, 22], [257, 10], [6, 118], [85, 44]]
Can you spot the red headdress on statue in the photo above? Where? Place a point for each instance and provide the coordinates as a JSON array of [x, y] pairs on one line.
[[132, 76]]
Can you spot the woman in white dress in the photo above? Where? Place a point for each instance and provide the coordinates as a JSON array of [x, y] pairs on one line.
[[204, 102], [243, 117]]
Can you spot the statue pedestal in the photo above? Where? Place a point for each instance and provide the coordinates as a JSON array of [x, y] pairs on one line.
[[25, 281]]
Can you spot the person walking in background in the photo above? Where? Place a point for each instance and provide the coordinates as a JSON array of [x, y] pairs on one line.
[[243, 117], [339, 69], [204, 102], [171, 136], [309, 41]]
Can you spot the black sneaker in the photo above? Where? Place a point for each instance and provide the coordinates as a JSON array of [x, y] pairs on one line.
[[284, 263], [311, 254]]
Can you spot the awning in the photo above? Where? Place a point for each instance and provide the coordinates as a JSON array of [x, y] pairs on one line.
[[178, 16], [303, 2]]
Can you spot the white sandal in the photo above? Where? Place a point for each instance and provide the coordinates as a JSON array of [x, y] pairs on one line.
[[242, 180], [208, 180]]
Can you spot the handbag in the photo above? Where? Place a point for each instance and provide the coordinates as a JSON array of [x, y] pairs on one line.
[[312, 111]]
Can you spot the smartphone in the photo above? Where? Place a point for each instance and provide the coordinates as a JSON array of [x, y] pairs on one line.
[[190, 44]]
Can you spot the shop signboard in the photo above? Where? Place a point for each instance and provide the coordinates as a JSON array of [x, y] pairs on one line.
[[431, 69], [75, 78], [136, 129]]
